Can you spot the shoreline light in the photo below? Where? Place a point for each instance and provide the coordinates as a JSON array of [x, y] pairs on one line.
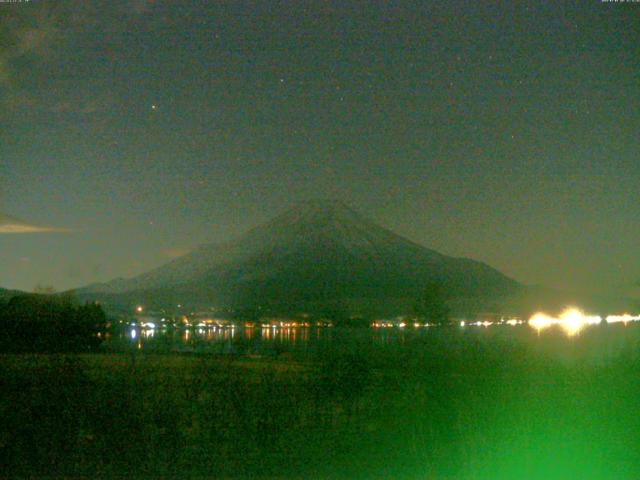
[[624, 318], [571, 320]]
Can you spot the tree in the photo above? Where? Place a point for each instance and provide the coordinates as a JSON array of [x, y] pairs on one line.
[[337, 311], [44, 289], [432, 305], [39, 323]]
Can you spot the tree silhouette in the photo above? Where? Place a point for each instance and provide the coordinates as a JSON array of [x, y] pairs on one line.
[[42, 323], [432, 305]]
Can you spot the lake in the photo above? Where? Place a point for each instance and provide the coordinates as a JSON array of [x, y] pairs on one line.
[[465, 402], [593, 344]]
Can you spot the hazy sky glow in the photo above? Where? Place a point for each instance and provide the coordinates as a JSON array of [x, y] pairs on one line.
[[507, 133]]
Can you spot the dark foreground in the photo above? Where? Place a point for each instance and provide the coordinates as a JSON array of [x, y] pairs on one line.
[[440, 407]]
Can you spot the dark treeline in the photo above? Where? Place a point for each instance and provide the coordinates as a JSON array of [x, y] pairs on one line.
[[430, 305], [40, 323]]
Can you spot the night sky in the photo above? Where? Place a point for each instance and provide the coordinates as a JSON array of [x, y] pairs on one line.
[[507, 132]]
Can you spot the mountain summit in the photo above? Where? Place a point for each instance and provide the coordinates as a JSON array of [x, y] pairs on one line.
[[315, 253]]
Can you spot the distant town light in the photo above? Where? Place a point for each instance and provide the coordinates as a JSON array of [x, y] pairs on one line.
[[540, 321], [622, 318], [571, 320], [139, 309]]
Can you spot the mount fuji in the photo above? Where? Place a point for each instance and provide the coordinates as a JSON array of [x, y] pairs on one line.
[[316, 253]]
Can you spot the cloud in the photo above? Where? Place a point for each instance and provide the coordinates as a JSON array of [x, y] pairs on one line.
[[28, 37], [42, 36], [13, 225], [27, 32]]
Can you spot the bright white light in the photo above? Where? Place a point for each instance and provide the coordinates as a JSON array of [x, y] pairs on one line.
[[139, 309], [572, 321], [462, 323], [624, 318], [540, 321], [133, 333]]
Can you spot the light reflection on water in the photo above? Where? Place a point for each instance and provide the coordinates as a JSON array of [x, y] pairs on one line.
[[597, 343]]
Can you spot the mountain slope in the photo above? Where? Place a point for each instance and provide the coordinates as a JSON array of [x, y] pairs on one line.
[[314, 252]]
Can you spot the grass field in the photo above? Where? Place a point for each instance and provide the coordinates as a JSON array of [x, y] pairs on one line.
[[430, 408]]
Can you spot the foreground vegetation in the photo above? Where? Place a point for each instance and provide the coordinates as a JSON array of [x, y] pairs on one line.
[[443, 406], [44, 323]]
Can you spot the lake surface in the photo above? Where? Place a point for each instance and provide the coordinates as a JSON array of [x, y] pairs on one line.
[[595, 343], [500, 402]]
